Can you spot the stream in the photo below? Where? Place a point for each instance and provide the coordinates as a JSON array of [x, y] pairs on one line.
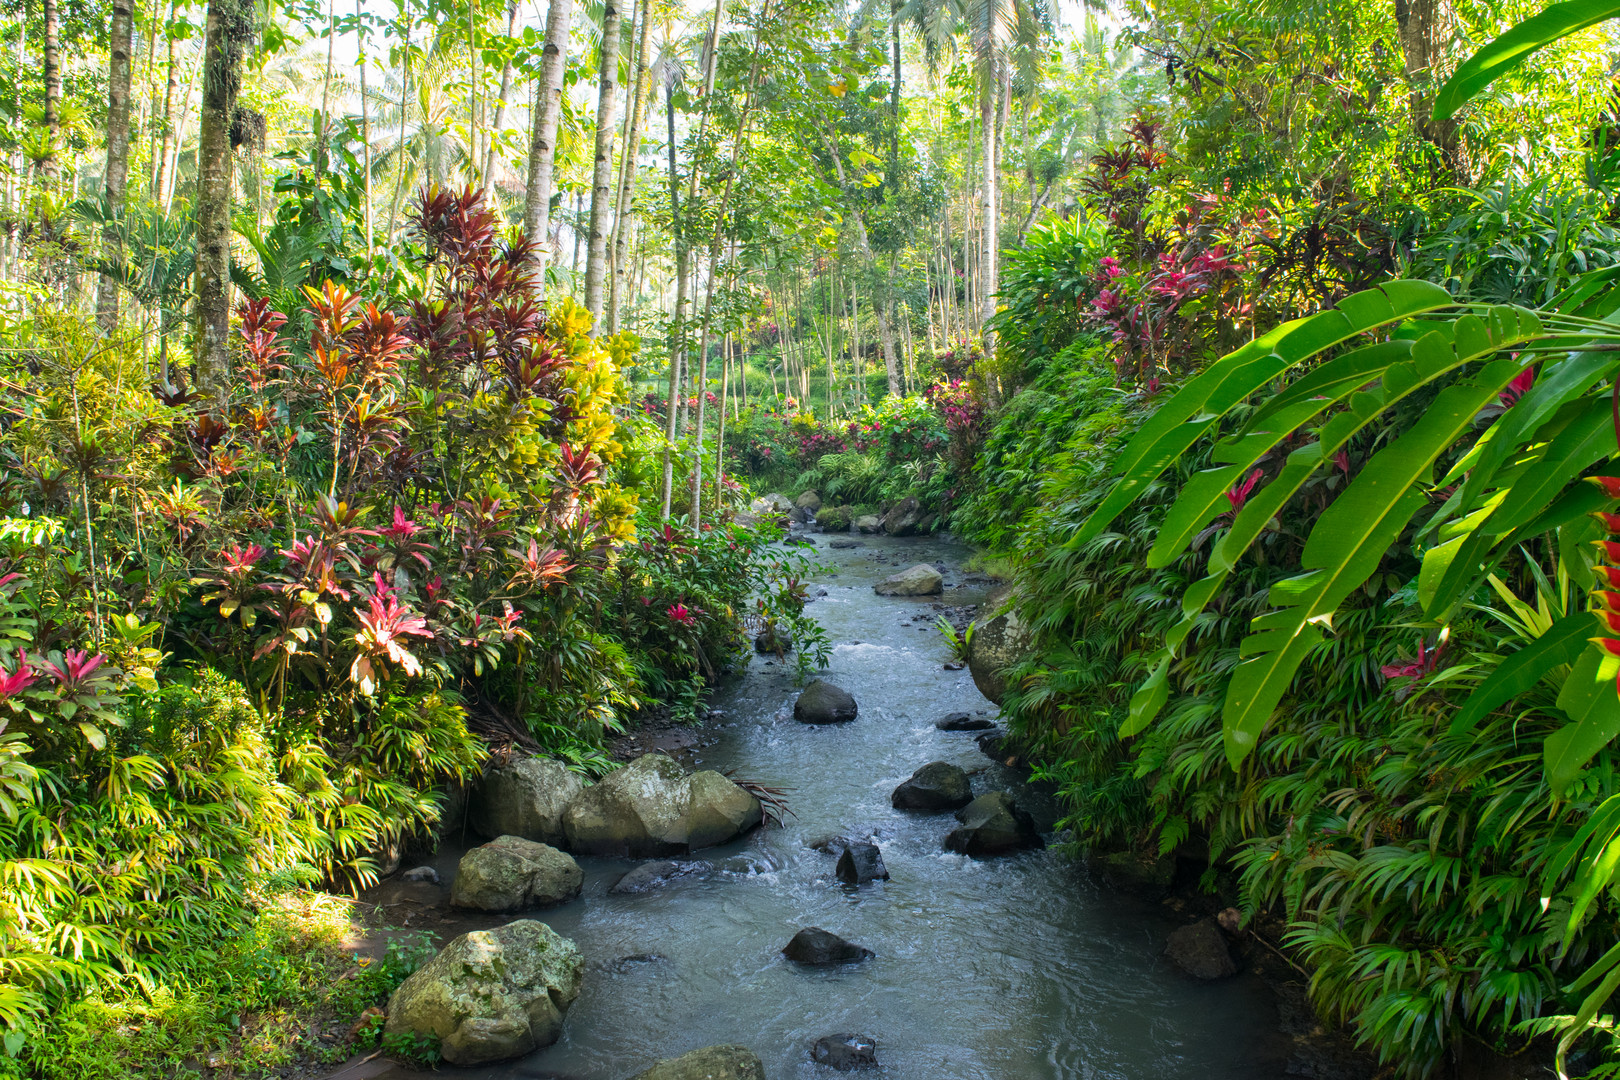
[[1015, 967]]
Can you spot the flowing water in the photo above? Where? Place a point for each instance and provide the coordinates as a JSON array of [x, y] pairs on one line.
[[1002, 969]]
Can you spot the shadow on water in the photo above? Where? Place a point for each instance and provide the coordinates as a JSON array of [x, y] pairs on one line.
[[1018, 967]]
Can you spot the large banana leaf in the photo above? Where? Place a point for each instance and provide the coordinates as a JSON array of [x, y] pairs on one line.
[[1514, 47]]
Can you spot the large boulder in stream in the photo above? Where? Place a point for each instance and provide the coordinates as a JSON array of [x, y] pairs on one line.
[[995, 646], [525, 797], [1201, 951], [939, 785], [919, 580], [491, 995], [992, 825], [652, 807], [771, 505], [835, 518], [809, 501], [711, 1063], [824, 703], [817, 947], [511, 873], [903, 517]]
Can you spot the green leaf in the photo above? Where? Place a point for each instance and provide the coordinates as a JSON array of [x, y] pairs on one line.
[[1593, 707], [1342, 552], [1149, 698], [1199, 405], [1588, 439], [1511, 49], [1563, 643]]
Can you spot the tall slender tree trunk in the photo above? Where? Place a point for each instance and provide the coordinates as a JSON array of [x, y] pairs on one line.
[[160, 162], [624, 214], [230, 29], [987, 232], [50, 167], [500, 103], [399, 154], [1422, 27], [118, 86], [677, 327], [543, 144], [180, 139], [602, 192], [365, 128], [326, 93]]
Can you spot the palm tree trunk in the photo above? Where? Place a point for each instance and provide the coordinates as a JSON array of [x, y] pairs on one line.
[[677, 327], [602, 189], [987, 232], [365, 128], [543, 145], [230, 28], [624, 212], [500, 103], [52, 62], [399, 153], [118, 86], [326, 93], [160, 163]]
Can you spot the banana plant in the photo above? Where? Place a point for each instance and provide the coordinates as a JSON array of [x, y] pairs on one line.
[[1341, 372]]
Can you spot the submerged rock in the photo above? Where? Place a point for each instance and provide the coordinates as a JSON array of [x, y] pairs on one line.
[[861, 863], [1128, 870], [654, 875], [1201, 951], [844, 544], [729, 1062], [491, 995], [525, 797], [919, 580], [651, 807], [813, 945], [510, 873], [938, 785], [992, 825], [844, 1052], [961, 721], [422, 873], [823, 703]]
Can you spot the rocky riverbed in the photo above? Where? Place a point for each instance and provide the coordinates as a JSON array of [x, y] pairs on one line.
[[977, 952]]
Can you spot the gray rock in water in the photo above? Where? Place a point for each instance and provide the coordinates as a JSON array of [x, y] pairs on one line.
[[767, 505], [996, 645], [903, 517], [938, 785], [510, 873], [651, 807], [798, 516], [808, 500], [422, 873], [823, 703], [526, 797], [919, 580], [961, 721], [842, 544], [861, 863], [1201, 951], [654, 875], [813, 945], [728, 1062], [869, 523], [491, 995], [992, 825], [845, 1052]]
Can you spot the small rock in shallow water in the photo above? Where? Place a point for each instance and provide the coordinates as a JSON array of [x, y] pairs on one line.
[[422, 873], [710, 1063], [919, 580], [1201, 951], [824, 703], [861, 863], [843, 545], [844, 1052], [961, 721], [938, 785], [653, 875], [813, 945], [992, 825]]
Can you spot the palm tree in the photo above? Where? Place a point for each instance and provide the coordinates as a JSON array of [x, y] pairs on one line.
[[602, 193], [543, 146], [122, 34], [231, 27]]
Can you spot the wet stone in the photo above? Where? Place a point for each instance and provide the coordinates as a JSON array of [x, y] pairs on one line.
[[845, 1052], [818, 947], [861, 863], [961, 721]]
